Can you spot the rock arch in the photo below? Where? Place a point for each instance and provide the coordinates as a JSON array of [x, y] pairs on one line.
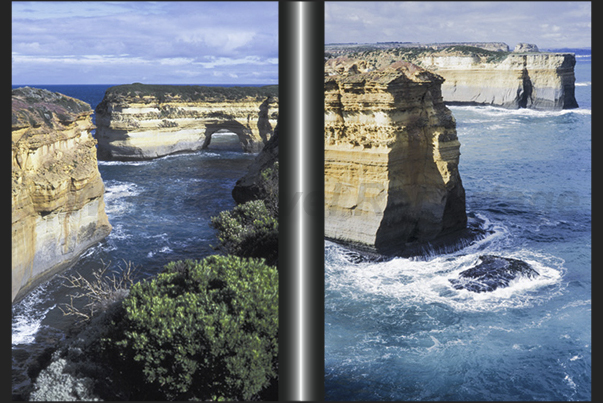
[[246, 138]]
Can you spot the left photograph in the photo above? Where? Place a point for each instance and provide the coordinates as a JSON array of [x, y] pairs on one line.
[[145, 183]]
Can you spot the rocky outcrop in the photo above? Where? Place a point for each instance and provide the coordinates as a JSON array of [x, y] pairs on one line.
[[525, 47], [391, 159], [249, 187], [58, 209], [492, 272], [148, 121], [477, 76]]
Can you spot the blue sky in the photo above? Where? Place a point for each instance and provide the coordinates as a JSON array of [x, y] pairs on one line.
[[168, 42], [553, 24]]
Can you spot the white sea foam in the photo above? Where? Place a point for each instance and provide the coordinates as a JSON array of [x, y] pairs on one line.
[[116, 193], [583, 84], [497, 112], [132, 163], [164, 249], [27, 317], [413, 282]]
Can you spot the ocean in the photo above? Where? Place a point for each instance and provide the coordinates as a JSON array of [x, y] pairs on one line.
[[397, 330], [394, 330], [160, 211]]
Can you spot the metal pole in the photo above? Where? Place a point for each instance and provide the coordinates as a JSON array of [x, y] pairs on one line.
[[301, 156]]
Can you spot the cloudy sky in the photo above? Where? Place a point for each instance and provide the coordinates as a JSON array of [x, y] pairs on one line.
[[547, 24], [161, 42]]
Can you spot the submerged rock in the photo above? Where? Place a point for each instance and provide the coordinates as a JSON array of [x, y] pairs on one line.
[[492, 272]]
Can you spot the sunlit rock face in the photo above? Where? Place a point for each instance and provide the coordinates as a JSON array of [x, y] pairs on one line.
[[139, 121], [391, 157], [58, 209], [525, 78]]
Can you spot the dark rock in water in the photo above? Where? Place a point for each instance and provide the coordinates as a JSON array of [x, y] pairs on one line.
[[491, 273], [357, 256]]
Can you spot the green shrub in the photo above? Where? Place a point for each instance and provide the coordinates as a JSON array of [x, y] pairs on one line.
[[192, 92], [269, 185], [249, 230], [201, 330]]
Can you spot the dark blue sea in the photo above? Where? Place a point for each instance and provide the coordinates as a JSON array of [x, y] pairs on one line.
[[399, 331], [160, 211]]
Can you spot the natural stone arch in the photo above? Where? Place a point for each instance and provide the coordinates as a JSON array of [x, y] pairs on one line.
[[246, 137]]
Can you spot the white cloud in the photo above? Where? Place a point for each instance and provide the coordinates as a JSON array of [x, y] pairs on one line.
[[426, 21], [52, 38]]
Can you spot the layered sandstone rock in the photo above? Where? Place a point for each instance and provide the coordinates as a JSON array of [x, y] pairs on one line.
[[391, 159], [476, 76], [58, 209], [147, 121]]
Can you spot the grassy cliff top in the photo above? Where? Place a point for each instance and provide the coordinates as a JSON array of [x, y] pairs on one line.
[[412, 54], [36, 107], [191, 92]]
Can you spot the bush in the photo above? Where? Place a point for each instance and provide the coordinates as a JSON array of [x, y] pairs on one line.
[[200, 330], [249, 230]]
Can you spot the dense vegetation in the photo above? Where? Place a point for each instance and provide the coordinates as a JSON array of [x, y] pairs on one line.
[[200, 330], [192, 92], [251, 228], [489, 55]]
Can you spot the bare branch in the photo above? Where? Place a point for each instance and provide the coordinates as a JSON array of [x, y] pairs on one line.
[[102, 291]]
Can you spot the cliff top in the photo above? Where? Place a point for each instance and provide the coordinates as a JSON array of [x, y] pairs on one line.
[[35, 107], [412, 53], [349, 70], [355, 47], [189, 92]]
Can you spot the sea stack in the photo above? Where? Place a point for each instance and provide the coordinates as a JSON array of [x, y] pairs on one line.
[[391, 158], [138, 121], [58, 209]]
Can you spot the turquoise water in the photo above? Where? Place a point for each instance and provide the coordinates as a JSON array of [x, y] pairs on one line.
[[398, 330]]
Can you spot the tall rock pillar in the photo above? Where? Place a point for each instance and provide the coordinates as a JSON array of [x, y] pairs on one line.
[[391, 159]]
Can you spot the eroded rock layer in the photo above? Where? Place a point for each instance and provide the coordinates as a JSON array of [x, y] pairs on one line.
[[58, 209], [476, 76], [148, 121], [391, 159]]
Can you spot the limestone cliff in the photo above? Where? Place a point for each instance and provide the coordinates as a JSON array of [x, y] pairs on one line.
[[58, 208], [391, 159], [477, 76], [147, 121]]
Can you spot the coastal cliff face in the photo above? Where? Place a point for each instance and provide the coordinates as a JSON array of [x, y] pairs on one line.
[[58, 209], [476, 76], [391, 158], [530, 80], [148, 121], [248, 187]]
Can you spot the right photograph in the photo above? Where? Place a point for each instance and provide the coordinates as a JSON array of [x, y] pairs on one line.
[[457, 146]]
